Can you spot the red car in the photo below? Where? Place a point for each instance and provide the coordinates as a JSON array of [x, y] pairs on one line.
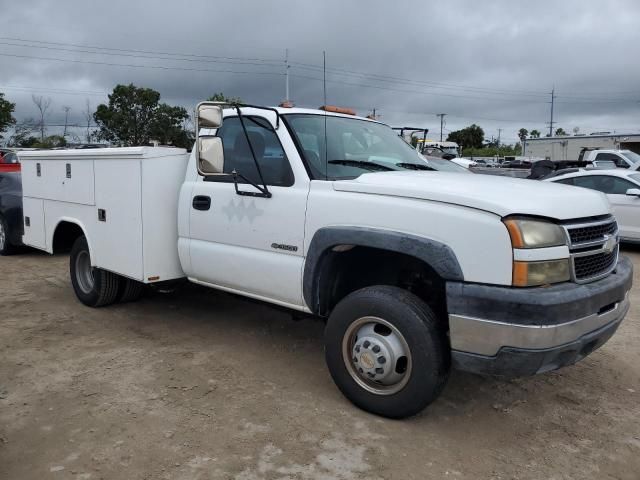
[[9, 161]]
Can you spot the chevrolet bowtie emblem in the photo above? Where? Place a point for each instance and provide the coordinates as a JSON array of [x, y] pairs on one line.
[[609, 244]]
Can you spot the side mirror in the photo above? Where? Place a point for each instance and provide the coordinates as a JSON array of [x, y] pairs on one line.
[[210, 156], [209, 115], [633, 192]]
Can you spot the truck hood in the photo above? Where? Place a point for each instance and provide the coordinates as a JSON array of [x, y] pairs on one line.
[[500, 195]]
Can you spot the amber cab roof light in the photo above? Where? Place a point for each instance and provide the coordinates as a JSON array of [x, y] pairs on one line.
[[334, 109]]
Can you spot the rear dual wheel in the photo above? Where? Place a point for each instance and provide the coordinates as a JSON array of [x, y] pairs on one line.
[[386, 351], [96, 287]]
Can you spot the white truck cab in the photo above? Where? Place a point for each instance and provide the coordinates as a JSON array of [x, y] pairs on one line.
[[621, 158], [336, 216]]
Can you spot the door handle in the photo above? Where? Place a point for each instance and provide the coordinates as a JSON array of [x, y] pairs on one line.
[[201, 202]]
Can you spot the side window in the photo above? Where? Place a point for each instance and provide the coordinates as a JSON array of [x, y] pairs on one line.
[[270, 155], [566, 181], [605, 184], [615, 185], [613, 158]]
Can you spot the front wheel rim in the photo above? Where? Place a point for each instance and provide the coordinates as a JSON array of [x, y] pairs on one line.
[[376, 355], [84, 272]]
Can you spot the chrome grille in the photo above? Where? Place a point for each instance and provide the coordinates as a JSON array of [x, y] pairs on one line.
[[593, 247], [593, 265], [590, 233]]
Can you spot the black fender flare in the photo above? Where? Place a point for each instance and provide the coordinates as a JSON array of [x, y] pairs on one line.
[[436, 254]]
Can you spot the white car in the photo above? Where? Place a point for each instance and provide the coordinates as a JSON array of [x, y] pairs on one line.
[[622, 188]]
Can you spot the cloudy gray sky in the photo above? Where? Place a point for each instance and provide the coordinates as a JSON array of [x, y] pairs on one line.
[[493, 63]]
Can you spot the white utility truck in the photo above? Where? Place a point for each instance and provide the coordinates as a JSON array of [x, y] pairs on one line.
[[336, 216]]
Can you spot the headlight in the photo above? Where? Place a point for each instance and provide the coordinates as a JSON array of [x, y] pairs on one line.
[[531, 233], [531, 274], [527, 233]]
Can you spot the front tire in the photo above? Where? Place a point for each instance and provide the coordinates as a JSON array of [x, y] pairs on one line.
[[386, 351], [93, 286]]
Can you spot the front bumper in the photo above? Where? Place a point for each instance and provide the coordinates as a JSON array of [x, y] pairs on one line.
[[523, 331]]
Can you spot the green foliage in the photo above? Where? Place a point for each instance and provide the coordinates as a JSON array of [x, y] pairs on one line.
[[221, 97], [134, 116], [522, 134], [492, 151], [534, 134], [471, 137], [167, 127], [51, 141], [560, 132], [6, 114]]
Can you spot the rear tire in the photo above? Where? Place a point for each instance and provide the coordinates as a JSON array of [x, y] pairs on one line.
[[130, 290], [386, 351], [93, 286], [6, 248]]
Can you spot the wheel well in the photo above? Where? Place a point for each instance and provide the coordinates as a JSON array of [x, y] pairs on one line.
[[345, 269], [65, 235]]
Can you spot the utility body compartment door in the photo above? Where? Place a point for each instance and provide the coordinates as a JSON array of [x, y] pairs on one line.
[[117, 236], [34, 227]]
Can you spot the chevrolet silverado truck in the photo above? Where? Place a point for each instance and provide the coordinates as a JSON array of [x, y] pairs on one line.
[[414, 271]]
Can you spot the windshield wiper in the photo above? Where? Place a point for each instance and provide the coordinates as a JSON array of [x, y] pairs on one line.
[[362, 164], [413, 166]]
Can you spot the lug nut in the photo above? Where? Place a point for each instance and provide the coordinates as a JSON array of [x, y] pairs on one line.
[[380, 370], [355, 359], [366, 344], [358, 348], [376, 348], [360, 370], [382, 360]]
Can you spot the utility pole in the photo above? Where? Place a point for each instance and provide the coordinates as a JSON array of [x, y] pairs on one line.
[[551, 122], [286, 71], [499, 133], [441, 115]]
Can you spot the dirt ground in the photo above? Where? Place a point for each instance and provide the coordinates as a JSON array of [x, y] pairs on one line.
[[200, 384]]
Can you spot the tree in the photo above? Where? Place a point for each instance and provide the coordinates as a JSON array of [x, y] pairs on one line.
[[22, 132], [134, 116], [221, 97], [42, 104], [522, 134], [168, 126], [469, 137], [560, 132], [534, 134], [6, 114], [127, 119]]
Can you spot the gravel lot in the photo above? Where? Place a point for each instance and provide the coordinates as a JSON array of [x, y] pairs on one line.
[[200, 384]]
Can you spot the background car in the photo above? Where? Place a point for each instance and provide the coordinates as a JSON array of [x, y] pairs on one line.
[[621, 186], [9, 161], [11, 223]]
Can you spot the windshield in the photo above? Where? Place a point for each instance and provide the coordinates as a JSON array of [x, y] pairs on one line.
[[632, 156], [351, 147], [451, 150]]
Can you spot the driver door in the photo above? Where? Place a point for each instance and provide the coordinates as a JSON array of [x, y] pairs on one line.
[[246, 244]]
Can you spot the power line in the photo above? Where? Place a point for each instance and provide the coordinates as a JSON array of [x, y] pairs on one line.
[[135, 53], [159, 67], [151, 57]]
